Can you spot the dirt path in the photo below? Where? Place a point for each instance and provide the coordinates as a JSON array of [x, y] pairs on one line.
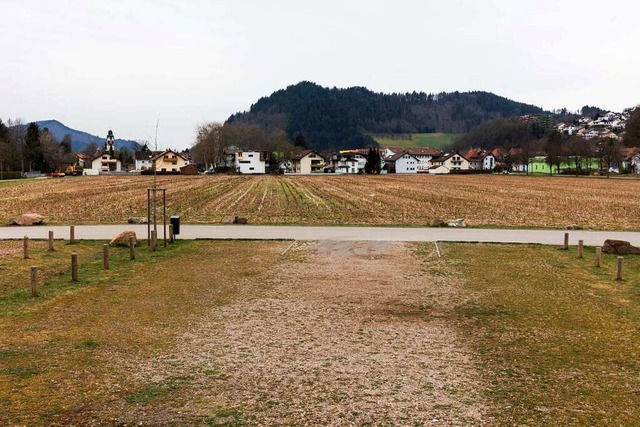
[[343, 333]]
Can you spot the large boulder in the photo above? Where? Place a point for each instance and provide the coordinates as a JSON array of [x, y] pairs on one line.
[[137, 220], [456, 223], [122, 239], [28, 219], [619, 247]]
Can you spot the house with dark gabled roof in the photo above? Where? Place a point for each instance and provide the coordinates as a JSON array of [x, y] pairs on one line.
[[143, 159], [308, 161], [423, 154], [402, 162], [449, 162]]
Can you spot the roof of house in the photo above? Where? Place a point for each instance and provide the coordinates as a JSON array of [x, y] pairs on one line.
[[145, 155], [446, 156], [162, 153], [399, 155], [476, 154], [629, 152], [417, 151], [302, 154], [499, 152], [99, 154]]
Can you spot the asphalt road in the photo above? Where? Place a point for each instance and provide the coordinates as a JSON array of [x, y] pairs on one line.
[[268, 232]]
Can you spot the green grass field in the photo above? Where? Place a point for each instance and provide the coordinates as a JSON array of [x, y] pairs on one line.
[[433, 140]]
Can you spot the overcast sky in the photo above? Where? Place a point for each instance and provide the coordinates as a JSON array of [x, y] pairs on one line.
[[96, 65]]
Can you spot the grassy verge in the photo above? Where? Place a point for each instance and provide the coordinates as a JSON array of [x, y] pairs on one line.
[[433, 140], [61, 353], [555, 337]]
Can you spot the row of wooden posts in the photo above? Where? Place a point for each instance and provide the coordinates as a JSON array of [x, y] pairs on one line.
[[35, 290], [598, 259]]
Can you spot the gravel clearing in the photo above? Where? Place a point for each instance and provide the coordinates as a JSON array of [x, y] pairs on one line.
[[342, 333]]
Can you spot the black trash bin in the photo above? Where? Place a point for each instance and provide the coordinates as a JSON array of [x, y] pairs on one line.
[[175, 221]]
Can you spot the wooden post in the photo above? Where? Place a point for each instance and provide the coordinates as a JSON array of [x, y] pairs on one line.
[[566, 241], [598, 256], [619, 268], [34, 281], [105, 256], [580, 249], [132, 248], [25, 247], [72, 234], [51, 241], [170, 233], [74, 267], [154, 239], [164, 216]]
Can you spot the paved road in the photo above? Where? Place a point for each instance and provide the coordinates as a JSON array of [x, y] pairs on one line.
[[266, 232]]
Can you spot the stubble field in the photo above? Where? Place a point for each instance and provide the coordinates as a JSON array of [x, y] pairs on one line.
[[500, 201]]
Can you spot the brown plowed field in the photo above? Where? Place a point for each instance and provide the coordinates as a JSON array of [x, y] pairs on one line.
[[483, 200]]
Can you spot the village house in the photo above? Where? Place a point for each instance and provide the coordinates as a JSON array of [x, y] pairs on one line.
[[349, 162], [449, 162], [423, 154], [143, 159], [480, 159], [168, 161], [251, 162], [105, 162], [402, 162], [307, 162]]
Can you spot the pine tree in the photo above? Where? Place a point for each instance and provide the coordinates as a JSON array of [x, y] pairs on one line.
[[373, 161]]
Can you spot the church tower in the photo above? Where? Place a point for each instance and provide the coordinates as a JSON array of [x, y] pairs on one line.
[[110, 144]]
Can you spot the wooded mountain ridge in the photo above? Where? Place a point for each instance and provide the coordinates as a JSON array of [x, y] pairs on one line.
[[333, 118], [80, 140]]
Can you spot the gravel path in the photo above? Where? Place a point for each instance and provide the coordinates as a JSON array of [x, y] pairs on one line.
[[345, 333]]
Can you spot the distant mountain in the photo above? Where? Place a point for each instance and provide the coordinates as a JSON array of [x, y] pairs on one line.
[[340, 118], [80, 140]]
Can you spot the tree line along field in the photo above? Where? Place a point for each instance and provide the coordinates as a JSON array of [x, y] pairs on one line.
[[415, 200]]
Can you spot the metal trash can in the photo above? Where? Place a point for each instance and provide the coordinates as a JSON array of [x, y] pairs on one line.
[[175, 221]]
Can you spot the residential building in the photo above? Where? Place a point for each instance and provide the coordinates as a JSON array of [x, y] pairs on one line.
[[449, 162], [251, 162], [105, 162], [168, 161], [480, 159], [402, 162], [143, 159], [423, 154], [307, 161], [349, 162]]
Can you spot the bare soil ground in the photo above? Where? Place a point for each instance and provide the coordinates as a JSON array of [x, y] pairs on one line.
[[345, 333], [413, 200]]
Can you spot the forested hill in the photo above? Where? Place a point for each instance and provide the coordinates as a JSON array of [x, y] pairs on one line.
[[339, 118]]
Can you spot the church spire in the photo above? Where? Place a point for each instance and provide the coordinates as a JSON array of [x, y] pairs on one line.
[[110, 144]]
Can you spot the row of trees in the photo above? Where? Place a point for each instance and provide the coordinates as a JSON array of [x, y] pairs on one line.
[[576, 152], [29, 148], [213, 138]]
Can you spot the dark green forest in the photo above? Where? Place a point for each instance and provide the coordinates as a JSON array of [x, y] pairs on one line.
[[340, 118]]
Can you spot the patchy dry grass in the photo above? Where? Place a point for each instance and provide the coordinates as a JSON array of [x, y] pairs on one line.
[[57, 351], [557, 338], [487, 200], [234, 333], [330, 333]]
